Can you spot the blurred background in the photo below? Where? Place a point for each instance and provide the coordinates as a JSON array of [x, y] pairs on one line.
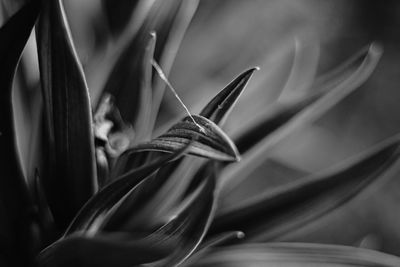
[[226, 37]]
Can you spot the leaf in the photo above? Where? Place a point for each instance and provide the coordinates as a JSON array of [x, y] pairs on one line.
[[15, 201], [130, 84], [294, 254], [275, 213], [118, 14], [211, 141], [192, 222], [68, 117], [219, 107], [271, 122], [187, 222], [109, 195], [277, 129], [107, 249]]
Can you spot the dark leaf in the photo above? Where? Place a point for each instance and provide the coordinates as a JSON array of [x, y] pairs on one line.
[[71, 176], [211, 141], [119, 13], [108, 196], [187, 222], [130, 84], [15, 203], [114, 249], [270, 215], [154, 199], [219, 107], [191, 223], [293, 254]]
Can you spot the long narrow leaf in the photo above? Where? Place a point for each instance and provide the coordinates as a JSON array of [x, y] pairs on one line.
[[294, 254], [14, 198], [218, 108], [259, 153], [105, 199], [275, 213], [112, 249], [211, 141], [130, 84], [68, 117]]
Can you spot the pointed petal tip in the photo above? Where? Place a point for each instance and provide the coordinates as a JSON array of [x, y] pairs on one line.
[[240, 235], [376, 48]]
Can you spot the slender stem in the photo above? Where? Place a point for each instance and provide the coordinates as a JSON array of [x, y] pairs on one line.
[[165, 79]]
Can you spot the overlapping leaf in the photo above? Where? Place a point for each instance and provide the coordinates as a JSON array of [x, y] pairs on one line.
[[107, 249], [269, 216], [273, 128], [108, 196], [68, 117], [218, 108], [131, 79], [294, 254], [211, 141], [14, 198]]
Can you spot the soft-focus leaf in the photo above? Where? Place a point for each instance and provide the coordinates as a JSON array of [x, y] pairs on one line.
[[108, 196], [192, 222], [304, 68], [211, 141], [294, 254], [118, 13], [275, 213], [44, 214], [68, 117], [113, 249], [218, 108], [154, 199], [130, 84], [270, 122], [14, 199], [347, 72], [188, 222], [275, 131]]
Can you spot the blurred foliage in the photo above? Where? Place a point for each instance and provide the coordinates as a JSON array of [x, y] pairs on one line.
[[101, 165]]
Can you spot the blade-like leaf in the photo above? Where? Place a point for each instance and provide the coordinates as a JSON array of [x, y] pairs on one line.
[[191, 223], [303, 116], [14, 198], [270, 122], [188, 222], [218, 108], [118, 13], [294, 254], [282, 113], [114, 249], [275, 213], [211, 141], [68, 116], [152, 200], [130, 84], [108, 196]]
